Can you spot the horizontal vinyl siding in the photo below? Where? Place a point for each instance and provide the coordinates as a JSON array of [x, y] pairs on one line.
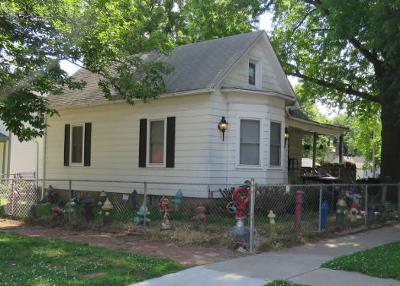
[[224, 167], [272, 76], [115, 143]]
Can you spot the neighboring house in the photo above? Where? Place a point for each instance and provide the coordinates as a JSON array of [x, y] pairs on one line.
[[174, 139], [362, 170], [17, 157]]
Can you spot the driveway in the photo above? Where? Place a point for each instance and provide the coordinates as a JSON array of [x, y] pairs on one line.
[[299, 264]]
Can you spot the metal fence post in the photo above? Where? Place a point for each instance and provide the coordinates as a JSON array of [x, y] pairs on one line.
[[366, 205], [252, 201], [13, 199], [320, 209], [144, 204], [70, 188]]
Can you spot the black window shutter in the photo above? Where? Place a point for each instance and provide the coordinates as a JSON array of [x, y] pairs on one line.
[[170, 142], [87, 144], [142, 143], [66, 144]]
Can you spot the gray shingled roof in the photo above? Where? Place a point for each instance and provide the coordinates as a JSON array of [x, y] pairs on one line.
[[196, 66], [3, 137]]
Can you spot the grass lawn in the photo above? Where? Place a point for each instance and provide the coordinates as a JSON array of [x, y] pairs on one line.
[[37, 261], [382, 261], [283, 283]]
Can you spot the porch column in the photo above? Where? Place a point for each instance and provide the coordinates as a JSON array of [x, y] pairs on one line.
[[314, 149], [341, 149]]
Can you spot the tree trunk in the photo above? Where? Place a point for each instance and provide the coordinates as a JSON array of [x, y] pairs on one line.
[[390, 160]]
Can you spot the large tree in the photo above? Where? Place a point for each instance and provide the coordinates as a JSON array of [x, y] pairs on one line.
[[106, 37], [348, 55]]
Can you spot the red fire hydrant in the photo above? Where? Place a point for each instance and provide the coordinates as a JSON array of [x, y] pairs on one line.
[[241, 197], [165, 213], [299, 196]]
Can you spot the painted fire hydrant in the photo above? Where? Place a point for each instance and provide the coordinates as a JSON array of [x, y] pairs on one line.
[[241, 197], [178, 200], [134, 199], [323, 224], [341, 211], [103, 196], [140, 216], [299, 197], [272, 224], [355, 211], [106, 208], [88, 208], [199, 219], [165, 213]]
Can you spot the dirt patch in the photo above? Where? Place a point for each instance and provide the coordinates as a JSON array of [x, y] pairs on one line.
[[125, 241]]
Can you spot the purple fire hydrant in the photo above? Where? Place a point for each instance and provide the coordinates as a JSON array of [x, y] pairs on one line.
[[299, 196]]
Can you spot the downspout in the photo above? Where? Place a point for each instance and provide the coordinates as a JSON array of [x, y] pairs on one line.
[[44, 160], [3, 167], [37, 164], [9, 154]]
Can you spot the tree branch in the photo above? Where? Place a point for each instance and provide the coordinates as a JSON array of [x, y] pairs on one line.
[[339, 87], [372, 57]]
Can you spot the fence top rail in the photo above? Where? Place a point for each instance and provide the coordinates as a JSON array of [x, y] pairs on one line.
[[204, 184]]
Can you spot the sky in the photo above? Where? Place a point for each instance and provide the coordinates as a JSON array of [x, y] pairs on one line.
[[265, 24]]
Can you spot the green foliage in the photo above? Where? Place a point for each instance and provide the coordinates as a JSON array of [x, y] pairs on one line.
[[358, 141], [210, 19], [346, 54], [37, 261], [364, 135], [42, 210], [382, 261], [110, 38]]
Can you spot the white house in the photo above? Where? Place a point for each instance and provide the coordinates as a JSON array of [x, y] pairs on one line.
[[19, 158], [175, 139]]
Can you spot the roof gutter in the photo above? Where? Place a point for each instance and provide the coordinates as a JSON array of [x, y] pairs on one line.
[[289, 99], [118, 101], [336, 130]]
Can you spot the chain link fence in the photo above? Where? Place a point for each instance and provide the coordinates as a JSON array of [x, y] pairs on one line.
[[257, 216]]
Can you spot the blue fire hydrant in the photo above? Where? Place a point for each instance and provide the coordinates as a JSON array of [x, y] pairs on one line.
[[324, 215]]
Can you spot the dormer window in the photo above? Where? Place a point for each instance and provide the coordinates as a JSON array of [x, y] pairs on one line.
[[252, 73]]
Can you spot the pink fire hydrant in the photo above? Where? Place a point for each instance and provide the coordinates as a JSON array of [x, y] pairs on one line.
[[299, 196]]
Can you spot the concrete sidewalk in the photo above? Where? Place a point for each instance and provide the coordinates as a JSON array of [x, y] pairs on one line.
[[300, 264]]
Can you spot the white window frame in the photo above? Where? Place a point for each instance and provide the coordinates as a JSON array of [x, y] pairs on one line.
[[148, 163], [258, 79], [282, 149], [260, 160], [83, 144]]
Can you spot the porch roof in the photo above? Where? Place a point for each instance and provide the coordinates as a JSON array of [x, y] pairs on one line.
[[297, 119]]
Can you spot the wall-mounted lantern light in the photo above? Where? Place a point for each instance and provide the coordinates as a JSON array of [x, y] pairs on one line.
[[286, 135], [222, 126]]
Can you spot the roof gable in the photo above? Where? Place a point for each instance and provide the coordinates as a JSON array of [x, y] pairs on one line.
[[197, 66], [272, 79]]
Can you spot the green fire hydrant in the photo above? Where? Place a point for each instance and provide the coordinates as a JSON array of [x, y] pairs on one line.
[[341, 211]]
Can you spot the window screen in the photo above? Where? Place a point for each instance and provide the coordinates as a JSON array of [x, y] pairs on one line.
[[156, 141], [275, 144], [76, 144], [250, 142], [252, 73]]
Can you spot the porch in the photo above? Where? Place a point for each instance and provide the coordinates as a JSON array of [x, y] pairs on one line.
[[299, 126]]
